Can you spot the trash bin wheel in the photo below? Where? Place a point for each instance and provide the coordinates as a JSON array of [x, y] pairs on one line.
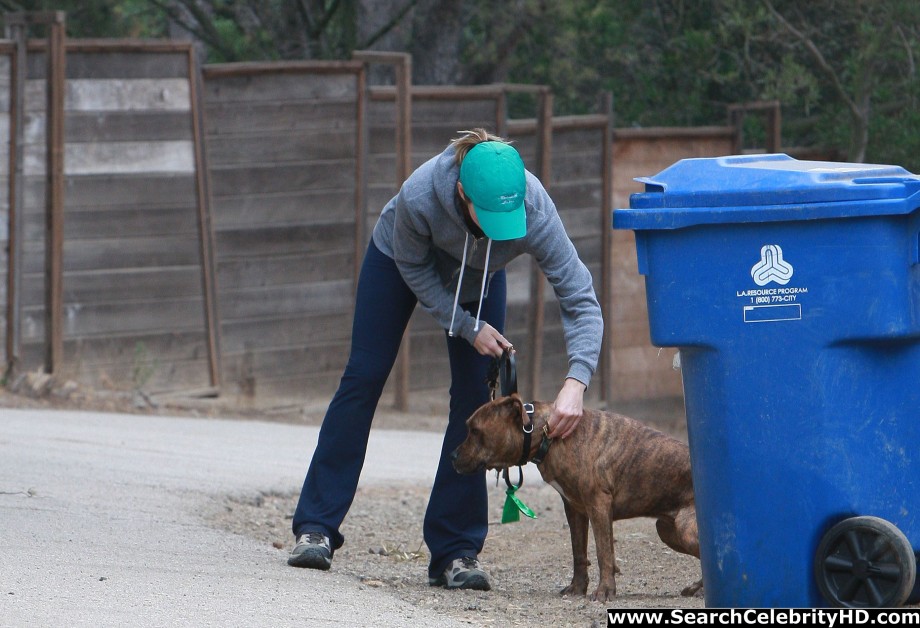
[[865, 562]]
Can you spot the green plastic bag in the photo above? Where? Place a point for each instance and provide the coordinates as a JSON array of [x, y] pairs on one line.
[[514, 507]]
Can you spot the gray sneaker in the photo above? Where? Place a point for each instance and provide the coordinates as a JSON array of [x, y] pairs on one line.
[[463, 573], [312, 551]]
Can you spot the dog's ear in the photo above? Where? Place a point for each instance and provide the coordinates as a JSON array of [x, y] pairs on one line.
[[508, 403], [515, 402]]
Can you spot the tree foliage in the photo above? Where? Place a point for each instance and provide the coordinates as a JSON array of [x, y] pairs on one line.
[[90, 18], [843, 70]]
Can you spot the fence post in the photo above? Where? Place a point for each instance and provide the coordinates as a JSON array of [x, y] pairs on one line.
[[774, 127], [205, 226], [54, 201], [402, 63], [17, 30], [772, 123], [606, 226], [362, 150], [55, 76], [537, 280]]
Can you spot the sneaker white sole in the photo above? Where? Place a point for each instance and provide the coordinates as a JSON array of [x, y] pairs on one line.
[[310, 559], [473, 583]]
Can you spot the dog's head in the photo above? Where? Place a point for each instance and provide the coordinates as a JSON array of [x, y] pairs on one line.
[[494, 437]]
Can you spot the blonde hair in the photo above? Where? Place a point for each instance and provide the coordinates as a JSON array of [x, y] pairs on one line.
[[469, 139]]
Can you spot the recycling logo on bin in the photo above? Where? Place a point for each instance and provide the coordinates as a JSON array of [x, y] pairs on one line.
[[771, 267], [768, 304]]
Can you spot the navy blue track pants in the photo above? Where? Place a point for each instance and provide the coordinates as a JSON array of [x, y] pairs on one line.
[[456, 521]]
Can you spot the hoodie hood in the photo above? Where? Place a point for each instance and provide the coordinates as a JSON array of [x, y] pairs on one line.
[[444, 177]]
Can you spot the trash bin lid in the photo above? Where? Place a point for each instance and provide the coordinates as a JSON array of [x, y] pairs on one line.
[[766, 188]]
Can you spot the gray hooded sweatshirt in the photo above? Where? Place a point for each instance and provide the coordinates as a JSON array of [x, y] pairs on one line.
[[422, 229]]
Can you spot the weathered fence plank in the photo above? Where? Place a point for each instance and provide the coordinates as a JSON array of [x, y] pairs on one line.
[[284, 154], [132, 249]]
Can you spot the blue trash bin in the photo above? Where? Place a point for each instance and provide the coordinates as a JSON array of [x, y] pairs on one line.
[[792, 291]]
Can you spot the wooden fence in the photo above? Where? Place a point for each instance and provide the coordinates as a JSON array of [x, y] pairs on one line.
[[215, 219], [639, 370], [284, 156], [7, 221], [135, 249]]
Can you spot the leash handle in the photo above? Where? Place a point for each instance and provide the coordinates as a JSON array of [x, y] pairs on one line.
[[507, 372], [507, 477]]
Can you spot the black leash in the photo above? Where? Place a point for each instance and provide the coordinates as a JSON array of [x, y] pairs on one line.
[[503, 377], [507, 371], [514, 506]]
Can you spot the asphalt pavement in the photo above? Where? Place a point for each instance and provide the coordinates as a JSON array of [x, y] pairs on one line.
[[101, 523]]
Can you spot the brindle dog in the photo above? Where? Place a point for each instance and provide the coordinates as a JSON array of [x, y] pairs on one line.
[[611, 467]]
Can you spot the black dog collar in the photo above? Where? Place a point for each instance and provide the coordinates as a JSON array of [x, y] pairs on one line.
[[525, 454], [528, 430], [545, 442], [544, 446]]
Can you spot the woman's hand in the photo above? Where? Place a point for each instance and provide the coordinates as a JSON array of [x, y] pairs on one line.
[[490, 342], [567, 409]]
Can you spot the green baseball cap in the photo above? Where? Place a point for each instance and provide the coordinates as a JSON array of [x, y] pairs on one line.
[[492, 175]]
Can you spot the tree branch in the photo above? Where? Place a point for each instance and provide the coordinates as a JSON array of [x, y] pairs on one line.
[[383, 30], [205, 31], [327, 15], [304, 11], [911, 67], [818, 57]]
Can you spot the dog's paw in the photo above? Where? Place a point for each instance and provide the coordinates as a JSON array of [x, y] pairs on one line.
[[576, 588], [692, 590], [604, 592]]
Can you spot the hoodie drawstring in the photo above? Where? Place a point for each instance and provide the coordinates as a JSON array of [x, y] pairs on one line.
[[482, 289], [450, 331]]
